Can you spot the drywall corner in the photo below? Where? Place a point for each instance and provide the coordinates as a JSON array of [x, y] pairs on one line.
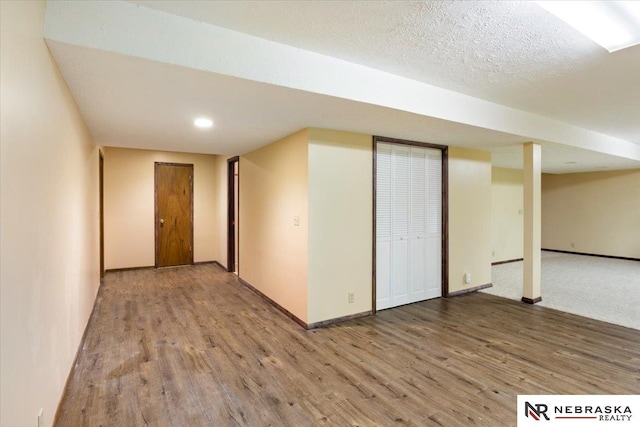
[[340, 224], [273, 227]]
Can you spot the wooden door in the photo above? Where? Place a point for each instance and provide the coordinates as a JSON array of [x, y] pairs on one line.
[[233, 210], [174, 214]]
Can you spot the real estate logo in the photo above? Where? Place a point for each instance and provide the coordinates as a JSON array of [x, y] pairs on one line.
[[578, 410], [536, 411]]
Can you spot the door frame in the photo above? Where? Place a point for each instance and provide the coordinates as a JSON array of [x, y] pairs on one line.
[[155, 206], [101, 206], [444, 256], [231, 213]]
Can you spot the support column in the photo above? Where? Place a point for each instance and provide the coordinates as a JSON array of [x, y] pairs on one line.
[[532, 223]]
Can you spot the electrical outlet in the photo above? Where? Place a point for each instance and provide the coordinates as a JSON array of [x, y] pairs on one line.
[[41, 418], [296, 220], [350, 298], [467, 278]]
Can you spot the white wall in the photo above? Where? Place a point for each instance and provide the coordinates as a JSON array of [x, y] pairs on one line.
[[506, 214], [126, 29], [129, 191], [49, 258], [595, 213], [340, 223]]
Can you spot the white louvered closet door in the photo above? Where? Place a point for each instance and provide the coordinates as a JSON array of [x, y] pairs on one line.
[[408, 224], [434, 224], [418, 219], [400, 212]]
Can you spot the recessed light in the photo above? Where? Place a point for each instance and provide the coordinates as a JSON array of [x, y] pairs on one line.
[[203, 122], [614, 25]]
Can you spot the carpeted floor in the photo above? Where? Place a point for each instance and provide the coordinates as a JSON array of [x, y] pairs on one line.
[[599, 288]]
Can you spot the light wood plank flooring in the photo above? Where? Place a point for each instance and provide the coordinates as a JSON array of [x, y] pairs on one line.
[[192, 347]]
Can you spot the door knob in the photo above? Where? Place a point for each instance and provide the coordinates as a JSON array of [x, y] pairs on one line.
[[161, 221]]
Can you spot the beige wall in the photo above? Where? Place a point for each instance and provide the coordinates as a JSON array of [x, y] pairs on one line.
[[129, 205], [469, 217], [49, 219], [273, 251], [506, 214], [325, 178], [597, 213], [340, 223]]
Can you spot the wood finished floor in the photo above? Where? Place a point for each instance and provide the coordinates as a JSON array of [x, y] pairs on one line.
[[193, 347]]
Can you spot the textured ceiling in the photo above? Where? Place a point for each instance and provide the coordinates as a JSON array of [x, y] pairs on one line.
[[141, 74], [510, 52]]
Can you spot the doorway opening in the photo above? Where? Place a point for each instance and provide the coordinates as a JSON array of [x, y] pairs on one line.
[[233, 210], [173, 214]]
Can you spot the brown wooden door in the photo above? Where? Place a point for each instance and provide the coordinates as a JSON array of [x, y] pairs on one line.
[[233, 181], [174, 214]]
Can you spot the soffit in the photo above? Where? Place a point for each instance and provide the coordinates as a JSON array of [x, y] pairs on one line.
[[142, 84], [509, 52]]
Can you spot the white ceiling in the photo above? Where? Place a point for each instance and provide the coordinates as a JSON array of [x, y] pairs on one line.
[[509, 53]]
